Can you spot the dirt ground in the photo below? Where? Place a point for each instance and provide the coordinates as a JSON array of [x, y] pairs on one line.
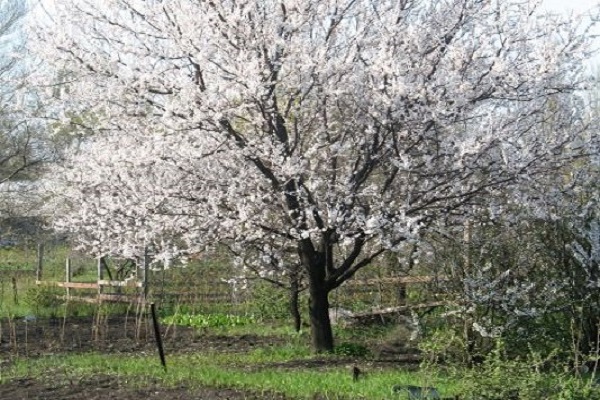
[[125, 335], [101, 388], [47, 337]]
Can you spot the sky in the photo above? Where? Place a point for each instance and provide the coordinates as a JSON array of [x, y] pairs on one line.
[[570, 5], [553, 5], [577, 6], [560, 6]]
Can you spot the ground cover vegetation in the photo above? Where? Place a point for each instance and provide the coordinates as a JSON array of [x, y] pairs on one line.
[[81, 350], [418, 179]]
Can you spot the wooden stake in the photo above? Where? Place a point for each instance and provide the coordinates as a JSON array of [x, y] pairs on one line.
[[146, 268], [40, 262], [15, 294], [100, 276], [68, 276], [158, 337]]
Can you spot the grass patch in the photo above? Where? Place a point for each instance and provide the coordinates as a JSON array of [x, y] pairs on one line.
[[209, 320], [251, 372], [288, 367]]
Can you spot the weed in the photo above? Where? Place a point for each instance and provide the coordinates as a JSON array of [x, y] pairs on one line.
[[38, 297], [209, 320], [500, 378], [349, 349]]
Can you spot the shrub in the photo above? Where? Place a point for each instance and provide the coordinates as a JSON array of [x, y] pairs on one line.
[[349, 349], [499, 378], [40, 297], [269, 302]]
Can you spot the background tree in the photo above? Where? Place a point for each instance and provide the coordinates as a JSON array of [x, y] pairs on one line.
[[525, 269], [22, 145], [339, 129], [15, 139]]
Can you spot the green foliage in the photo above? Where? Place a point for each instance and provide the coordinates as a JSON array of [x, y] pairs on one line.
[[578, 389], [549, 333], [209, 320], [256, 372], [287, 367], [16, 258], [269, 302], [38, 297], [444, 345], [500, 378], [349, 349]]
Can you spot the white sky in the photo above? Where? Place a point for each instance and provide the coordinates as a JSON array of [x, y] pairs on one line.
[[570, 5], [553, 5], [577, 7], [560, 6]]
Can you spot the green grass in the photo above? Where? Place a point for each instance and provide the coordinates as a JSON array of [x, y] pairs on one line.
[[286, 367], [16, 258], [252, 372], [17, 278]]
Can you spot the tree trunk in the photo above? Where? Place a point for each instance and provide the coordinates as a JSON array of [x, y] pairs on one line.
[[294, 306], [320, 324], [318, 302]]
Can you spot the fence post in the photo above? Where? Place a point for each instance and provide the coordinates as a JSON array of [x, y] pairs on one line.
[[68, 276], [14, 288], [40, 262], [100, 276], [145, 272]]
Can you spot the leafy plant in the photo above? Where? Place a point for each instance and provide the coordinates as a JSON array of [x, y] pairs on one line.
[[269, 302], [443, 345], [209, 320], [501, 378], [350, 349], [43, 297]]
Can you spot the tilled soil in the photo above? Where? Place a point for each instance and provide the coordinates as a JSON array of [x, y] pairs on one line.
[[114, 335], [102, 388], [46, 337], [33, 338]]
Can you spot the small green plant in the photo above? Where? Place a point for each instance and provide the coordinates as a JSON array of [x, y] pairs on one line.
[[43, 297], [500, 378], [443, 345], [578, 389], [209, 320], [268, 302], [349, 349]]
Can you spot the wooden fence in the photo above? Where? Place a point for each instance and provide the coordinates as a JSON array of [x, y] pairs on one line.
[[99, 287]]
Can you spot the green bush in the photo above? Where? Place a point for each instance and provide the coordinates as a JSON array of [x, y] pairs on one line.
[[444, 346], [349, 349], [44, 297], [269, 302], [534, 378]]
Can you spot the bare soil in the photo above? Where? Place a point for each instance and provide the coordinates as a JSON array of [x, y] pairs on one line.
[[101, 388], [48, 337], [128, 334]]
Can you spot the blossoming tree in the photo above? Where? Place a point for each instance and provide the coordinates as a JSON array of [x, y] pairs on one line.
[[317, 132], [22, 146], [14, 137]]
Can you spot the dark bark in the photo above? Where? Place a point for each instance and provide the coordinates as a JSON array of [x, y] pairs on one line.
[[294, 305], [320, 324], [590, 335], [315, 264]]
